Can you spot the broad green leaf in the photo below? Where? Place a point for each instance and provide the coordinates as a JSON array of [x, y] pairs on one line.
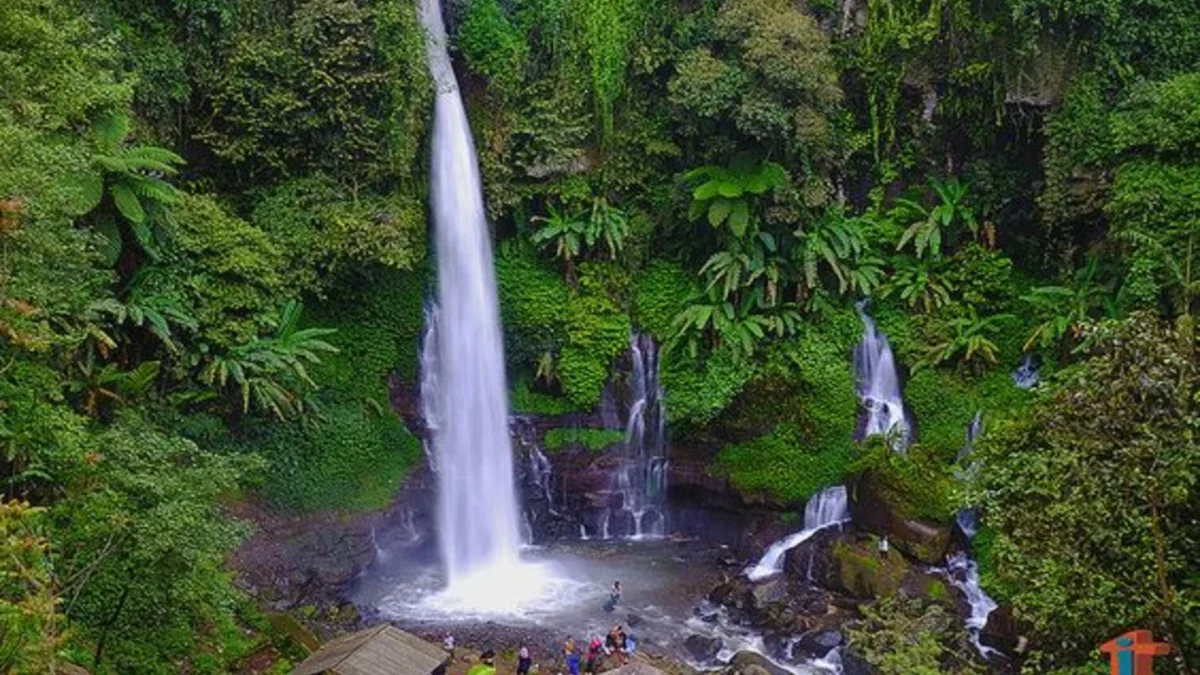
[[739, 218], [718, 211], [127, 203]]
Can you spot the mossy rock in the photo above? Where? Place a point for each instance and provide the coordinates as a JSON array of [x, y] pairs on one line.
[[860, 571], [294, 631], [885, 512]]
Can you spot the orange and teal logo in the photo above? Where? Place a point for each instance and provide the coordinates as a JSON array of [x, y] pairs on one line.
[[1133, 653]]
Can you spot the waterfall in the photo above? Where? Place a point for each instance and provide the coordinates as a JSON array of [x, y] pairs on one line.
[[827, 508], [1026, 374], [478, 521], [973, 430], [963, 573], [639, 481], [879, 385]]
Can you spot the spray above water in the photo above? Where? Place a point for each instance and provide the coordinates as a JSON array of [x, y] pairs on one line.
[[478, 525]]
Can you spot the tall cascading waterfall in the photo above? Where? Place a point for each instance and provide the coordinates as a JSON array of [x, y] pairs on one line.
[[478, 521], [827, 508], [639, 482], [878, 385]]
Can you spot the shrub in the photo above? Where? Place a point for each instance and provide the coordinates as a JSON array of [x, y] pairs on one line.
[[584, 437], [783, 464], [351, 459]]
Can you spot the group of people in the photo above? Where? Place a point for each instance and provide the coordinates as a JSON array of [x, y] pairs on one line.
[[617, 643]]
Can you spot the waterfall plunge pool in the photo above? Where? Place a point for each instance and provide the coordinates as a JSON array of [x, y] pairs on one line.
[[562, 589]]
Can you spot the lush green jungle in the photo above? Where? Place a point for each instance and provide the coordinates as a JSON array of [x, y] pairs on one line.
[[214, 255]]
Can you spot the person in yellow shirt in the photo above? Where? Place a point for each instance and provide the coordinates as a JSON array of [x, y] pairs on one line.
[[486, 665]]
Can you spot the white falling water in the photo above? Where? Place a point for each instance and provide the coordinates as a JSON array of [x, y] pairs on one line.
[[1026, 374], [963, 573], [641, 478], [827, 508], [879, 385], [478, 521]]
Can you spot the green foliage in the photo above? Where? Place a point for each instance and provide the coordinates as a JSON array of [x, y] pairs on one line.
[[840, 242], [597, 332], [352, 458], [944, 404], [321, 228], [929, 225], [728, 194], [377, 334], [595, 440], [917, 483], [337, 86], [30, 620], [60, 69], [1064, 310], [523, 399], [606, 30], [139, 546], [697, 392], [966, 340], [261, 370], [660, 294], [812, 444], [491, 45], [770, 76], [783, 464], [224, 271], [573, 235], [533, 305], [900, 635], [919, 282], [1112, 503]]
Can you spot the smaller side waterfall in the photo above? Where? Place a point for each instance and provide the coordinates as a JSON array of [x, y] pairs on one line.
[[827, 508], [963, 573], [879, 385], [639, 481], [1026, 375]]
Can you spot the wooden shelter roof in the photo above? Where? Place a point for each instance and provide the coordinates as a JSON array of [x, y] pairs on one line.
[[380, 650]]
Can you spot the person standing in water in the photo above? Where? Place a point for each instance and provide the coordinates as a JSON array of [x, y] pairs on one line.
[[572, 659], [614, 596], [523, 661]]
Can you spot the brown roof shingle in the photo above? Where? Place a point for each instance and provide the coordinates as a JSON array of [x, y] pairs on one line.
[[381, 650]]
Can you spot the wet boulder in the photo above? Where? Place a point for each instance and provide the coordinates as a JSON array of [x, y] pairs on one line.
[[752, 663], [1000, 632], [816, 644], [853, 664], [809, 562], [767, 593], [702, 648]]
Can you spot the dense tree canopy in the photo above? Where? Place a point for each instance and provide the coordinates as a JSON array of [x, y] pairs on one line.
[[213, 262]]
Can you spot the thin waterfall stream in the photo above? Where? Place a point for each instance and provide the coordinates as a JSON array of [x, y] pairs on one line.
[[878, 384], [826, 509]]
